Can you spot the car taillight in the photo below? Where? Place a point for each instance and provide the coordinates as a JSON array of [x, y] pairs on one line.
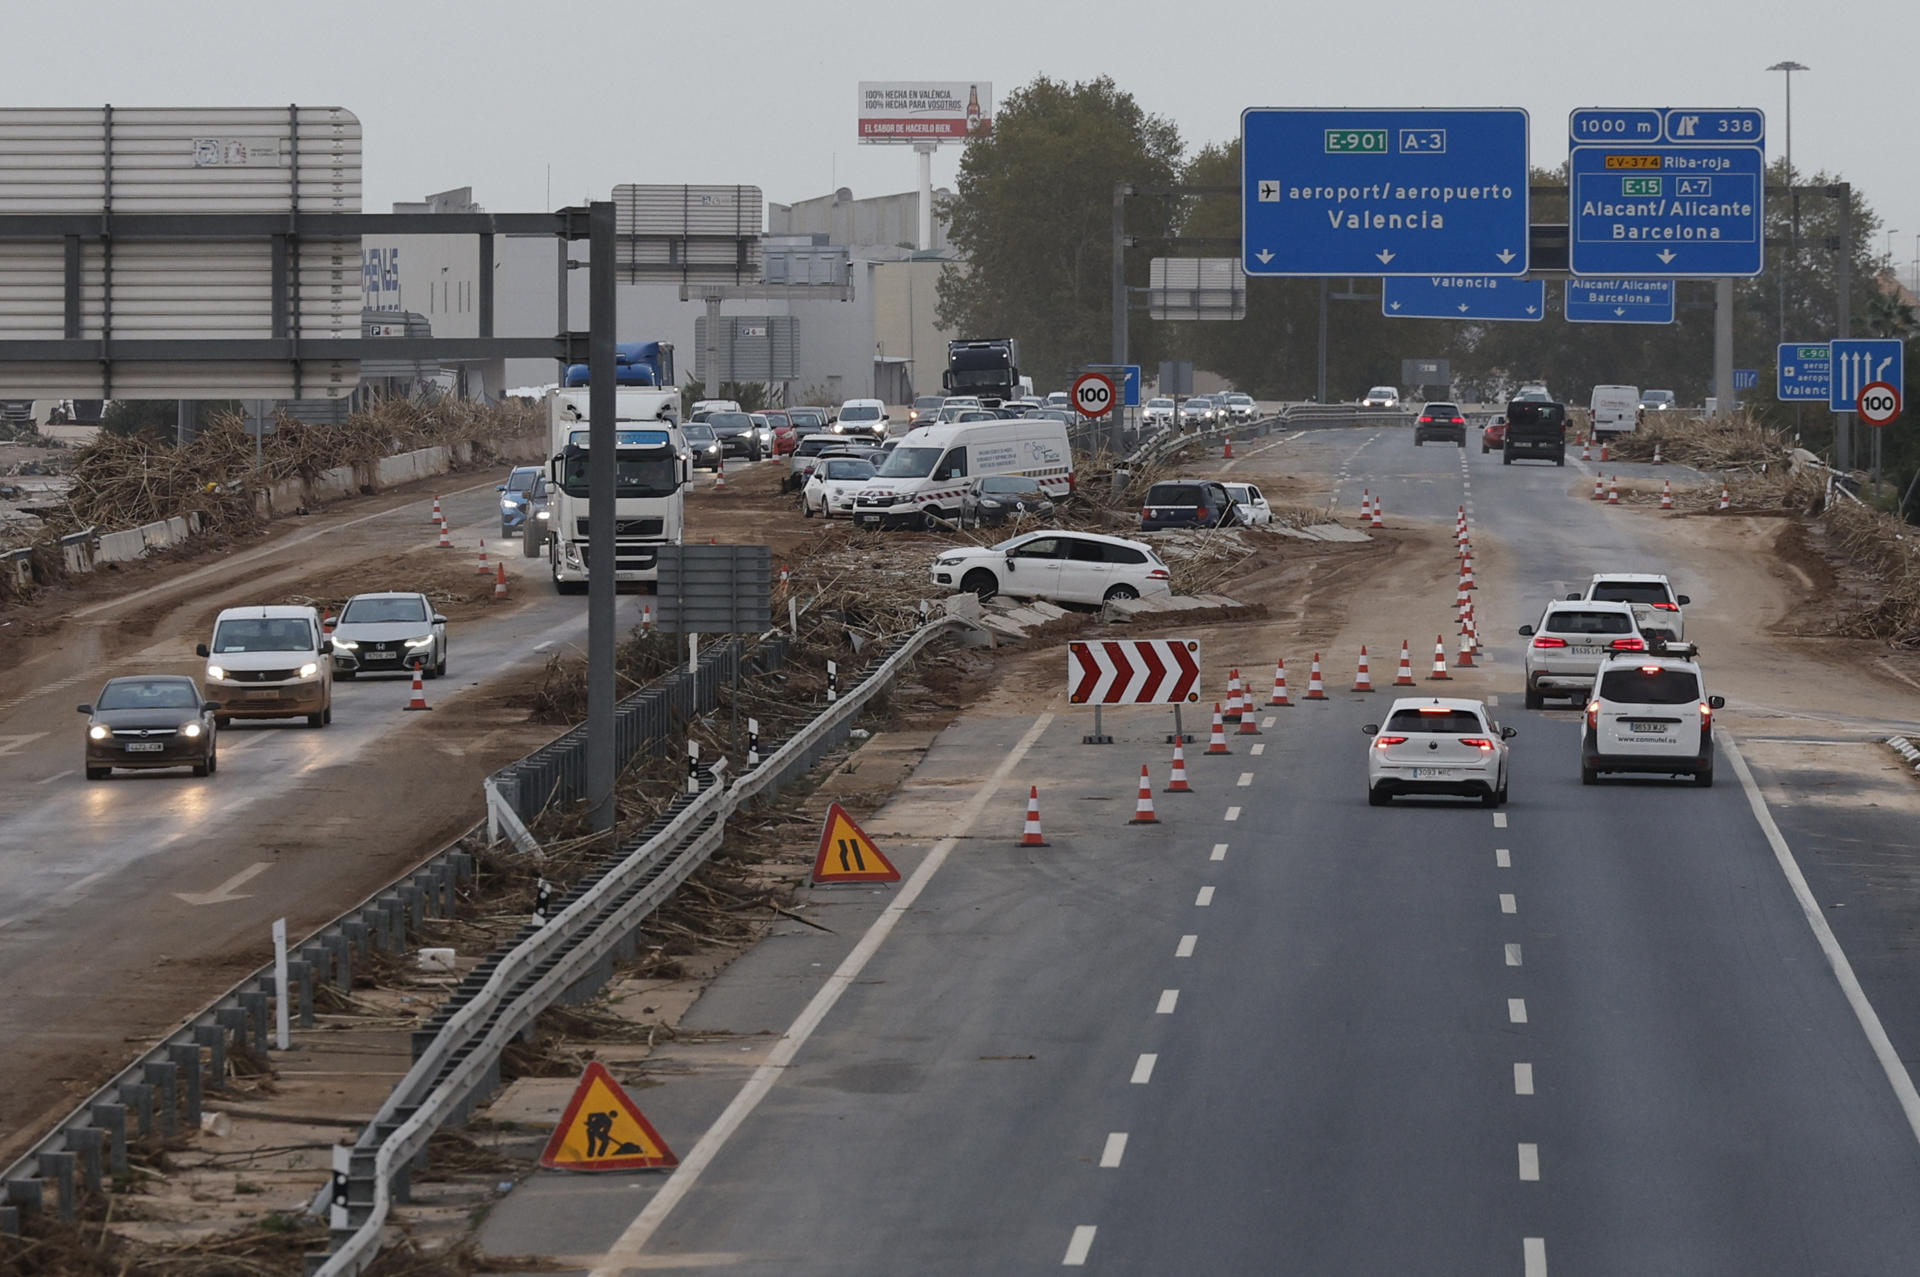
[[1159, 574], [1668, 607], [1146, 512], [1072, 480], [1381, 742], [1478, 742], [1204, 513], [1706, 714], [1459, 421], [1593, 715], [1547, 640], [1426, 421], [1628, 645]]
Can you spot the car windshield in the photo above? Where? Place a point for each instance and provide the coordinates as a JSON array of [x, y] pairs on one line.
[[849, 468], [928, 401], [1381, 392], [1657, 397], [808, 417], [730, 421], [1239, 492], [1443, 410], [263, 634], [1630, 592], [1446, 722], [1159, 403], [860, 412], [814, 445], [521, 480], [1571, 622], [148, 693], [697, 432], [1649, 685], [909, 463], [1010, 484], [382, 611], [657, 475]]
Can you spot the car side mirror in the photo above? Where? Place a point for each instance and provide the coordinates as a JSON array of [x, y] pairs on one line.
[[326, 646], [1526, 631], [84, 709], [209, 707], [439, 619], [1574, 597], [1717, 702], [1370, 729], [200, 649], [1508, 733], [1682, 599], [1010, 563], [499, 487]]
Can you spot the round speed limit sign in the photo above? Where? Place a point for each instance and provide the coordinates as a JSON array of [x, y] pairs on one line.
[[1093, 394], [1878, 404]]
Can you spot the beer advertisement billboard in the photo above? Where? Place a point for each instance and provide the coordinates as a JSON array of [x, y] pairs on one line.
[[924, 110]]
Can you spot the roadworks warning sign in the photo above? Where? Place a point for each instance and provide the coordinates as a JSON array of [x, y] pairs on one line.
[[603, 1130], [847, 854]]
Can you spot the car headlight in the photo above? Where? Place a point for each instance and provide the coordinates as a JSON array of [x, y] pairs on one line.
[[509, 504], [309, 670], [990, 505], [424, 641], [97, 732], [541, 515], [949, 562], [214, 671], [345, 645], [190, 730]]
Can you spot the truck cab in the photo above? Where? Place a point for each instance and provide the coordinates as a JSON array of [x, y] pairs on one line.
[[653, 468]]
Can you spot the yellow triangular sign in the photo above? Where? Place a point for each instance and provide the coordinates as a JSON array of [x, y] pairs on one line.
[[847, 854], [603, 1130]]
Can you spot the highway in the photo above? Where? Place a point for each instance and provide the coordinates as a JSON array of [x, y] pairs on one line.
[[1597, 1032]]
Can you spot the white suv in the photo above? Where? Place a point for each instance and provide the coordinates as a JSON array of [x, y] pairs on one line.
[[1570, 641], [1649, 714], [1437, 746], [862, 416], [1656, 608], [1381, 397], [1158, 412]]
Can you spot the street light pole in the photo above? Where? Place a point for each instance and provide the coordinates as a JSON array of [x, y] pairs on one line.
[[1793, 236], [1891, 232]]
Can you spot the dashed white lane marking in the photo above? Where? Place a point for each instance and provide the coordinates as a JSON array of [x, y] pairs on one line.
[[1499, 820], [1507, 903], [1268, 721], [1143, 1069], [1502, 858], [1516, 1010], [541, 647], [1116, 1149], [48, 780], [77, 888], [1185, 947], [1233, 813], [1522, 1078], [1246, 779], [1530, 1163], [1258, 750], [1219, 851], [1082, 1242], [1169, 999], [1534, 1251], [1204, 899], [1513, 955]]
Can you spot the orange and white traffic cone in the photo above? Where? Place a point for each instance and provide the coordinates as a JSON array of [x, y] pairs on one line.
[[1726, 498], [1366, 505], [1613, 491], [1466, 575], [1666, 495], [485, 568], [1249, 724], [1586, 451], [783, 578], [1177, 783], [720, 476], [419, 700], [438, 517], [500, 581], [1236, 698], [446, 541], [1463, 659], [1656, 454], [1362, 680], [1403, 677], [646, 616], [1316, 691], [1439, 658], [1603, 454], [1143, 809], [326, 622], [1217, 742], [1031, 835], [1377, 522], [1227, 453], [1599, 489], [1279, 696]]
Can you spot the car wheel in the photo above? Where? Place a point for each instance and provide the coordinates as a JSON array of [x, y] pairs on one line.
[[1484, 449], [1589, 775], [1122, 592], [1461, 442], [1416, 441], [317, 720], [806, 509], [1490, 799], [1378, 798], [1560, 460], [530, 546], [1704, 779], [440, 666], [98, 773], [1506, 456], [1535, 700], [213, 760], [980, 582], [505, 531], [201, 769]]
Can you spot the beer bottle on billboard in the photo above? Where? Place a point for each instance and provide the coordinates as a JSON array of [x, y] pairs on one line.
[[973, 106]]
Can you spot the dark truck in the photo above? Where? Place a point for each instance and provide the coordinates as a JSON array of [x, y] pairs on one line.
[[1535, 428], [985, 367]]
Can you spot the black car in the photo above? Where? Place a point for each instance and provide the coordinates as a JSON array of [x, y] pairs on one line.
[[737, 434], [1186, 503], [1442, 421], [996, 498], [704, 444], [144, 721], [1535, 428]]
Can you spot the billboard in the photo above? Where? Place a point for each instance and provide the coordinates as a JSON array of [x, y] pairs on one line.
[[923, 110]]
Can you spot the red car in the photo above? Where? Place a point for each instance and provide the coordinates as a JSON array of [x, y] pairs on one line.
[[784, 434], [1494, 434]]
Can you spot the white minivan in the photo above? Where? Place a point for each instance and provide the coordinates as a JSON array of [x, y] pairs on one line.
[[931, 470], [1615, 410]]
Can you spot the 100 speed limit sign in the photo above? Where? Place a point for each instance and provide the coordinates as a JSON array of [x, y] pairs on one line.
[[1878, 404], [1093, 394]]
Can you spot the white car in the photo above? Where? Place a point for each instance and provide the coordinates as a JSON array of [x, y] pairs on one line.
[[1437, 746], [1242, 408], [270, 662], [1381, 397], [831, 487], [762, 432], [1197, 411], [1249, 506], [1158, 412], [1570, 641], [1061, 567], [861, 417], [1649, 714], [389, 633], [1656, 608]]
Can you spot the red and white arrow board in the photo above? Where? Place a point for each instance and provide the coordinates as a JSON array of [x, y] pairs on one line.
[[1134, 672]]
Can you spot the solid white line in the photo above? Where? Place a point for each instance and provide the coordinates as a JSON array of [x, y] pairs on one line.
[[626, 1249], [1513, 955], [48, 780], [1534, 1251], [1499, 820], [1083, 1242], [1516, 1010], [1897, 1075], [1522, 1078], [1219, 851], [1143, 1069], [1185, 948], [1507, 903], [1502, 858], [1530, 1163], [1258, 750], [1233, 813], [1169, 999], [1204, 899], [1116, 1149], [1246, 779]]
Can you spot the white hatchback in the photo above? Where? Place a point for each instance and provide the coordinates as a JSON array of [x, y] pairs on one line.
[[1061, 567], [830, 489], [1649, 714], [1437, 745], [1249, 506]]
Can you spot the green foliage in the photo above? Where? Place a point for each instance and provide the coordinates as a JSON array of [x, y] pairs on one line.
[[1033, 218]]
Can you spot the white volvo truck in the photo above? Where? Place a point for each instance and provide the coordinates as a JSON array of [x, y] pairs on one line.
[[649, 488]]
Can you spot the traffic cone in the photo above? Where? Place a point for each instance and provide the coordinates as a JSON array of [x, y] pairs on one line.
[[1666, 495], [1031, 836], [485, 570], [720, 476], [1366, 505], [419, 700], [1376, 514], [1599, 489], [1586, 453], [1177, 783], [783, 578], [500, 581], [1466, 575], [1656, 454], [326, 622], [1316, 691], [1143, 809], [1227, 454], [1603, 454], [1362, 680], [1403, 677], [646, 616], [1217, 742], [1236, 705], [1613, 491], [1249, 725], [437, 516], [446, 541], [1279, 696], [1463, 659], [1726, 498], [1439, 658]]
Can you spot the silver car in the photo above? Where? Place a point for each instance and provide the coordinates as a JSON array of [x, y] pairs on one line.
[[389, 633], [1569, 643]]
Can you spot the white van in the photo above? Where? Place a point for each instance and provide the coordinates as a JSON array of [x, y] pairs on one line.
[[1615, 410], [862, 417], [932, 468]]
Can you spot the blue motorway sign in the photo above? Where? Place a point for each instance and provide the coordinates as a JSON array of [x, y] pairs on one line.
[[1384, 192], [1804, 372], [1857, 363], [1746, 378], [1128, 377], [1671, 192], [1472, 297], [1619, 301]]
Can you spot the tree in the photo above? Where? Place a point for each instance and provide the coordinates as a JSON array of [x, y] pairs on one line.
[[1032, 216]]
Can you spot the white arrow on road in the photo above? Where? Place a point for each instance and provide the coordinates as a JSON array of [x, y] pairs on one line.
[[1385, 255], [226, 891], [1666, 255], [1265, 256], [1505, 255]]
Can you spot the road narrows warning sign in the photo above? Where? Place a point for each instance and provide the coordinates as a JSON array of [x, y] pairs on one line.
[[847, 854], [603, 1130]]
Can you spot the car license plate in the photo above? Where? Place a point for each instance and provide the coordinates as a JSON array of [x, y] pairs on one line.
[[1583, 650], [145, 746], [1648, 729], [1435, 773], [269, 694], [383, 656]]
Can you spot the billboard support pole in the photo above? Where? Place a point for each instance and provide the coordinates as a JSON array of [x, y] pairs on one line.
[[1120, 192], [924, 151], [601, 463], [1843, 424]]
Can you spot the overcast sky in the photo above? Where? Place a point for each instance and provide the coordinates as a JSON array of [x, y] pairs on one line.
[[490, 94]]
